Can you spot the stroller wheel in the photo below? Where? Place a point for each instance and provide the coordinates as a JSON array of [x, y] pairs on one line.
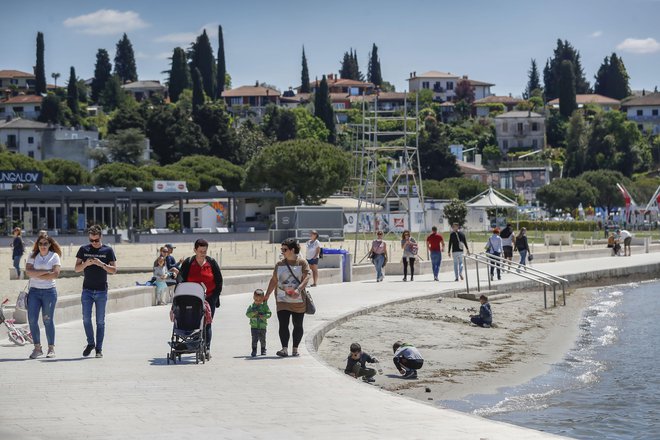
[[197, 357]]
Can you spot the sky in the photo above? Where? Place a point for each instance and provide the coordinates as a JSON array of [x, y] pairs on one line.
[[487, 40]]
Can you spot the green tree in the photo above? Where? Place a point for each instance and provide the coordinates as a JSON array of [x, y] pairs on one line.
[[304, 74], [373, 73], [279, 124], [323, 109], [215, 123], [552, 71], [123, 119], [464, 91], [533, 80], [567, 98], [309, 126], [179, 74], [66, 172], [198, 97], [567, 194], [555, 129], [436, 160], [222, 67], [72, 93], [173, 135], [455, 212], [612, 78], [608, 195], [435, 189], [39, 68], [577, 137], [250, 140], [210, 171], [51, 110], [126, 146], [125, 67], [201, 58], [121, 175], [350, 67], [113, 95], [309, 169], [102, 73]]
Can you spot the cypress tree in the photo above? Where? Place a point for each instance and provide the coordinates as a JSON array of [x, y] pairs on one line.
[[533, 80], [619, 79], [567, 102], [201, 58], [551, 72], [102, 73], [304, 74], [125, 67], [198, 90], [222, 68], [113, 95], [355, 68], [72, 92], [601, 85], [40, 69], [323, 109], [373, 75], [179, 74], [345, 71]]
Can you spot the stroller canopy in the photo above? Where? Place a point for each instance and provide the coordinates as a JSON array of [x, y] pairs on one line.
[[190, 289]]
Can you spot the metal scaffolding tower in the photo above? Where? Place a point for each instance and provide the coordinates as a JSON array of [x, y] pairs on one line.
[[386, 165]]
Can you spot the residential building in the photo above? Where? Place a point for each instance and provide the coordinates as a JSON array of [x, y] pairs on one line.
[[644, 111], [247, 101], [605, 103], [520, 130], [145, 89], [17, 79], [345, 86], [443, 85], [387, 101], [523, 177], [21, 106], [482, 106]]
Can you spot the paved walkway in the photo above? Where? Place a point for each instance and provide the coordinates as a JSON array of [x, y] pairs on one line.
[[132, 393]]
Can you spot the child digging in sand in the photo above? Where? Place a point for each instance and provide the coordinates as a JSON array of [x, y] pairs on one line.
[[356, 364], [485, 316], [407, 359]]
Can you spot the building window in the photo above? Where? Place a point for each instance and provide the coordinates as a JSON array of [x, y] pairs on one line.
[[505, 144], [2, 109], [450, 85], [505, 127], [640, 112], [339, 105], [236, 101], [37, 108], [535, 143], [31, 154], [18, 109], [520, 143], [520, 127], [535, 126], [640, 127], [654, 112], [30, 140], [425, 84]]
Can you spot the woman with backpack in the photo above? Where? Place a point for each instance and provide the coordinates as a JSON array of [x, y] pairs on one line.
[[409, 247]]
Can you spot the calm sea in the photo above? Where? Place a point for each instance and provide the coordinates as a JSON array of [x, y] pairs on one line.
[[607, 386]]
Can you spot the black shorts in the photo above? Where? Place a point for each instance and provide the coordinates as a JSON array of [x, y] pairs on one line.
[[507, 251]]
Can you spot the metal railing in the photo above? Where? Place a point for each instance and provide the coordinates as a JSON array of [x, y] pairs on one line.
[[530, 273]]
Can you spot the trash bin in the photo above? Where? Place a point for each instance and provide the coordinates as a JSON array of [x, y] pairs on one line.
[[345, 262]]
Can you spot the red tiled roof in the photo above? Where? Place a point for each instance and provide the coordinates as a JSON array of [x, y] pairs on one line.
[[590, 98], [250, 91], [506, 100], [15, 74], [23, 99], [648, 99]]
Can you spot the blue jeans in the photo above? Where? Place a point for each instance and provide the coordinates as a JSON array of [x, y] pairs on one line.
[[379, 259], [207, 328], [523, 256], [17, 265], [436, 259], [42, 300], [458, 264], [99, 298]]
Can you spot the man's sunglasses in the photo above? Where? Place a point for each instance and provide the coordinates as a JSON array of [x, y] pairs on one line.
[[94, 240]]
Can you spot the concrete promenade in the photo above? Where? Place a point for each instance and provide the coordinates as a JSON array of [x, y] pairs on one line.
[[133, 393]]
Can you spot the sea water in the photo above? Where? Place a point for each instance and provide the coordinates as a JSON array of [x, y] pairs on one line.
[[606, 387]]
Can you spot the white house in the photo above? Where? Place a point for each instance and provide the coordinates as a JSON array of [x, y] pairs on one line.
[[644, 111], [16, 78], [605, 103], [443, 84], [483, 105], [520, 130], [145, 89], [23, 106], [250, 100]]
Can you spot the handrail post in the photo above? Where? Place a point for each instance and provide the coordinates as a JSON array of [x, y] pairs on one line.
[[476, 264], [563, 291], [554, 295], [467, 285], [488, 274], [545, 298]]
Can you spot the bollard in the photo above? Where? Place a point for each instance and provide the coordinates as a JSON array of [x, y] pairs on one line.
[[647, 240]]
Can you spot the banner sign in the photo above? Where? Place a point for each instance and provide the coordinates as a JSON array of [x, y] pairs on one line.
[[170, 186], [21, 176]]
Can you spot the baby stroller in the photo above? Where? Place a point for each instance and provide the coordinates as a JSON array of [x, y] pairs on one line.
[[189, 323]]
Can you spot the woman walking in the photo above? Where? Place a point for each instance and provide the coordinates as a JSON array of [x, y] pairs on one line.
[[313, 253], [409, 246], [379, 255], [494, 248], [18, 249], [200, 268], [522, 246], [289, 280], [43, 267]]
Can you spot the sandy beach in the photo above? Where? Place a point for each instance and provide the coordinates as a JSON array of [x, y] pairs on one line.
[[461, 359]]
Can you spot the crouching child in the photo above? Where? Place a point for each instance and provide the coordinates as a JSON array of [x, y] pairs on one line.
[[407, 359], [356, 364]]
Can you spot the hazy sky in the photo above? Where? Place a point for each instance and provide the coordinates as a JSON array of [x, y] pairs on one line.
[[488, 40]]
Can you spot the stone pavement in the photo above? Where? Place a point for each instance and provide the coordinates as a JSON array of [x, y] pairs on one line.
[[133, 393]]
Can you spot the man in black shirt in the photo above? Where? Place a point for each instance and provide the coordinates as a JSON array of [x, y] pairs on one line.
[[457, 244], [97, 261]]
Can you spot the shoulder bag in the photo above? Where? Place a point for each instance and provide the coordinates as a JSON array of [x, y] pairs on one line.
[[21, 301], [310, 308]]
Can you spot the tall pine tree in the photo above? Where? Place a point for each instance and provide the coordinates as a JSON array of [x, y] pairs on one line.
[[373, 73], [39, 68], [222, 67], [551, 73], [323, 109], [179, 74], [345, 72], [72, 92], [102, 73], [201, 58], [567, 101], [533, 80], [198, 90], [125, 67], [304, 74], [612, 79]]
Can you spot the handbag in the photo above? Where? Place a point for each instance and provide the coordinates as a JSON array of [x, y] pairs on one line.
[[21, 301], [530, 257], [310, 308]]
